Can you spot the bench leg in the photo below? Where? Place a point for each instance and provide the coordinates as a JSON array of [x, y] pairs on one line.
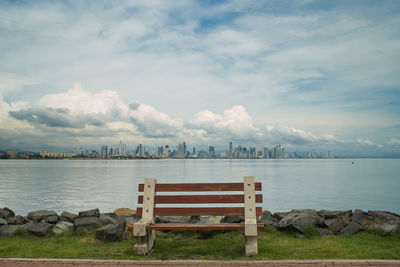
[[145, 244], [251, 245]]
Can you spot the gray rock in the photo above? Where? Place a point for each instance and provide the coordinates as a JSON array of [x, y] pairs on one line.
[[209, 219], [67, 216], [300, 220], [351, 229], [3, 222], [324, 231], [172, 219], [39, 229], [6, 213], [390, 226], [111, 232], [384, 215], [268, 219], [90, 213], [11, 230], [17, 220], [40, 215], [53, 219], [87, 223], [232, 219], [106, 219], [130, 220], [334, 225], [62, 227], [358, 217], [342, 216], [279, 215]]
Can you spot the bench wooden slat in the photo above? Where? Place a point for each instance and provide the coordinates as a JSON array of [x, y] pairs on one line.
[[202, 199], [200, 187], [187, 226], [199, 211]]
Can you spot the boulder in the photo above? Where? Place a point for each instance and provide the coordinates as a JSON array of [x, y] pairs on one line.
[[358, 217], [334, 225], [40, 215], [131, 220], [384, 215], [67, 216], [17, 220], [39, 229], [172, 219], [351, 229], [87, 223], [111, 232], [53, 219], [342, 216], [268, 219], [300, 220], [207, 219], [107, 219], [232, 219], [6, 213], [3, 222], [279, 215], [390, 226], [62, 227], [324, 231], [90, 213], [11, 230], [124, 212]]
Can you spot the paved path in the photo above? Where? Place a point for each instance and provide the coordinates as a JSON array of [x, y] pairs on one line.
[[128, 263]]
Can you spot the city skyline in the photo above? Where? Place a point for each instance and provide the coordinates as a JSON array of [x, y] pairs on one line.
[[309, 75], [181, 151]]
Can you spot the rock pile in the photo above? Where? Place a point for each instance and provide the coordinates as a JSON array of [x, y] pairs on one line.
[[111, 226]]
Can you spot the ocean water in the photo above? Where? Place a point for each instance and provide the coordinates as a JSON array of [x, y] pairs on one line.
[[75, 185]]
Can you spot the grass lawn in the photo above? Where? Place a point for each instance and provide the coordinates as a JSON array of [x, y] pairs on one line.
[[222, 246]]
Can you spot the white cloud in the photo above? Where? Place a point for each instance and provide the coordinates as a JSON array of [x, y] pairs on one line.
[[78, 100], [393, 142], [233, 123], [365, 142]]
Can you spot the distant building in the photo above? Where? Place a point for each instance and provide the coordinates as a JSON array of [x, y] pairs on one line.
[[211, 151], [44, 154], [12, 154], [104, 151]]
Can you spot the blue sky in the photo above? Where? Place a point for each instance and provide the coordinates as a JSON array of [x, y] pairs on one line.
[[310, 75]]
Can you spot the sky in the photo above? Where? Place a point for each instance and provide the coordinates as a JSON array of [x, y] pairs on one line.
[[309, 75]]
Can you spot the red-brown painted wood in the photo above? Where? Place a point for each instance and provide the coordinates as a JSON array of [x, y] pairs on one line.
[[190, 199], [201, 187]]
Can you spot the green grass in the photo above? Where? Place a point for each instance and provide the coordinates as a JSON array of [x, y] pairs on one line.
[[222, 246]]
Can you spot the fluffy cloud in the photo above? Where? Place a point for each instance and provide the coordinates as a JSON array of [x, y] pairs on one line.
[[80, 101], [152, 123], [59, 117], [233, 123]]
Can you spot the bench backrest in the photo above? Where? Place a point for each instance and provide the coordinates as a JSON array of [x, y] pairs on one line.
[[247, 198]]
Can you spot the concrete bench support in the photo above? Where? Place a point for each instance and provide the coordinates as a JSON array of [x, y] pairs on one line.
[[250, 216], [146, 238]]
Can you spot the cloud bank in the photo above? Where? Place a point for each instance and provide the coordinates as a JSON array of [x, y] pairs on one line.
[[304, 73], [64, 119]]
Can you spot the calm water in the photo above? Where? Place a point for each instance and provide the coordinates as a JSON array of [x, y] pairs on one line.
[[74, 185]]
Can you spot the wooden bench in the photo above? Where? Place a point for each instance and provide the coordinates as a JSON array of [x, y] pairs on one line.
[[145, 228]]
